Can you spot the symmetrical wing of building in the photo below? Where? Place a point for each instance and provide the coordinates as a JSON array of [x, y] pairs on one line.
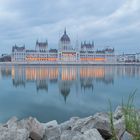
[[65, 52]]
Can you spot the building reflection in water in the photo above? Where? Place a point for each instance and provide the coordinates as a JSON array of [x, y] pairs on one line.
[[5, 71], [88, 74], [64, 89], [66, 77], [18, 76]]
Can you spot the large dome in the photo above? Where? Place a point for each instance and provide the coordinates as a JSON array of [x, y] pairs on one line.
[[65, 37]]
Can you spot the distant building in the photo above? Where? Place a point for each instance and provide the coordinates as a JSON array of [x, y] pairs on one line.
[[41, 46], [130, 57], [65, 43], [87, 47], [5, 58], [18, 53], [126, 58], [65, 52], [138, 57]]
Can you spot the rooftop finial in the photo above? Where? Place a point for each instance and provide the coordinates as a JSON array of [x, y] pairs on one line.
[[65, 31]]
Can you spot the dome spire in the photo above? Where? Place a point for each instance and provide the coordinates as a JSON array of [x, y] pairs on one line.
[[65, 37], [65, 32]]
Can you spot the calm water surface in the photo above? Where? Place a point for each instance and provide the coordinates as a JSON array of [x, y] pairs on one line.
[[60, 92]]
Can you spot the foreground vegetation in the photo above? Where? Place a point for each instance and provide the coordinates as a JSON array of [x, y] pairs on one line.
[[131, 117]]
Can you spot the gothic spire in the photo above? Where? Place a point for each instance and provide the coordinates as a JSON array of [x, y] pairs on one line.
[[65, 32]]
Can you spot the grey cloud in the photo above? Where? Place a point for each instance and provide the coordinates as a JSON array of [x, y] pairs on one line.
[[114, 23]]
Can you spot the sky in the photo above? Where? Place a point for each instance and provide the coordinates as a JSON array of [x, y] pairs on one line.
[[114, 23]]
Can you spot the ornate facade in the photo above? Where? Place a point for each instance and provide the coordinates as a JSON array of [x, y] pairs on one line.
[[65, 53]]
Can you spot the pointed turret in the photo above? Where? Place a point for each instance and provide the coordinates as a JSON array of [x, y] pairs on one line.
[[47, 42], [65, 31], [93, 43], [77, 44]]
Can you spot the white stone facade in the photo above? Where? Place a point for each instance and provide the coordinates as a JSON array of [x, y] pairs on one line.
[[126, 58], [138, 57], [18, 53], [65, 53]]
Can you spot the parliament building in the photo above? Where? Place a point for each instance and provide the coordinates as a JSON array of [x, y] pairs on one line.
[[66, 53]]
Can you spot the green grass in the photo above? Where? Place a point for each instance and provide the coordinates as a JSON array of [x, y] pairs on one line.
[[114, 136], [131, 116]]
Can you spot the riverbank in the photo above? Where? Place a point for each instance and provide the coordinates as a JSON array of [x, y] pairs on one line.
[[70, 63], [96, 127]]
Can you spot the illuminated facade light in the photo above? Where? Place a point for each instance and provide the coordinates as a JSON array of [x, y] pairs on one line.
[[65, 52]]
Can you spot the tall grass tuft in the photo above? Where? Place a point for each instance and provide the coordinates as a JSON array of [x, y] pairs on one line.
[[132, 117], [114, 136]]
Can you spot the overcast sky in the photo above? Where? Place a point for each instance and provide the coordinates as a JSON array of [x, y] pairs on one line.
[[114, 23]]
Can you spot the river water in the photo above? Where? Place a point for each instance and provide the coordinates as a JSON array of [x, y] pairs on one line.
[[61, 92]]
